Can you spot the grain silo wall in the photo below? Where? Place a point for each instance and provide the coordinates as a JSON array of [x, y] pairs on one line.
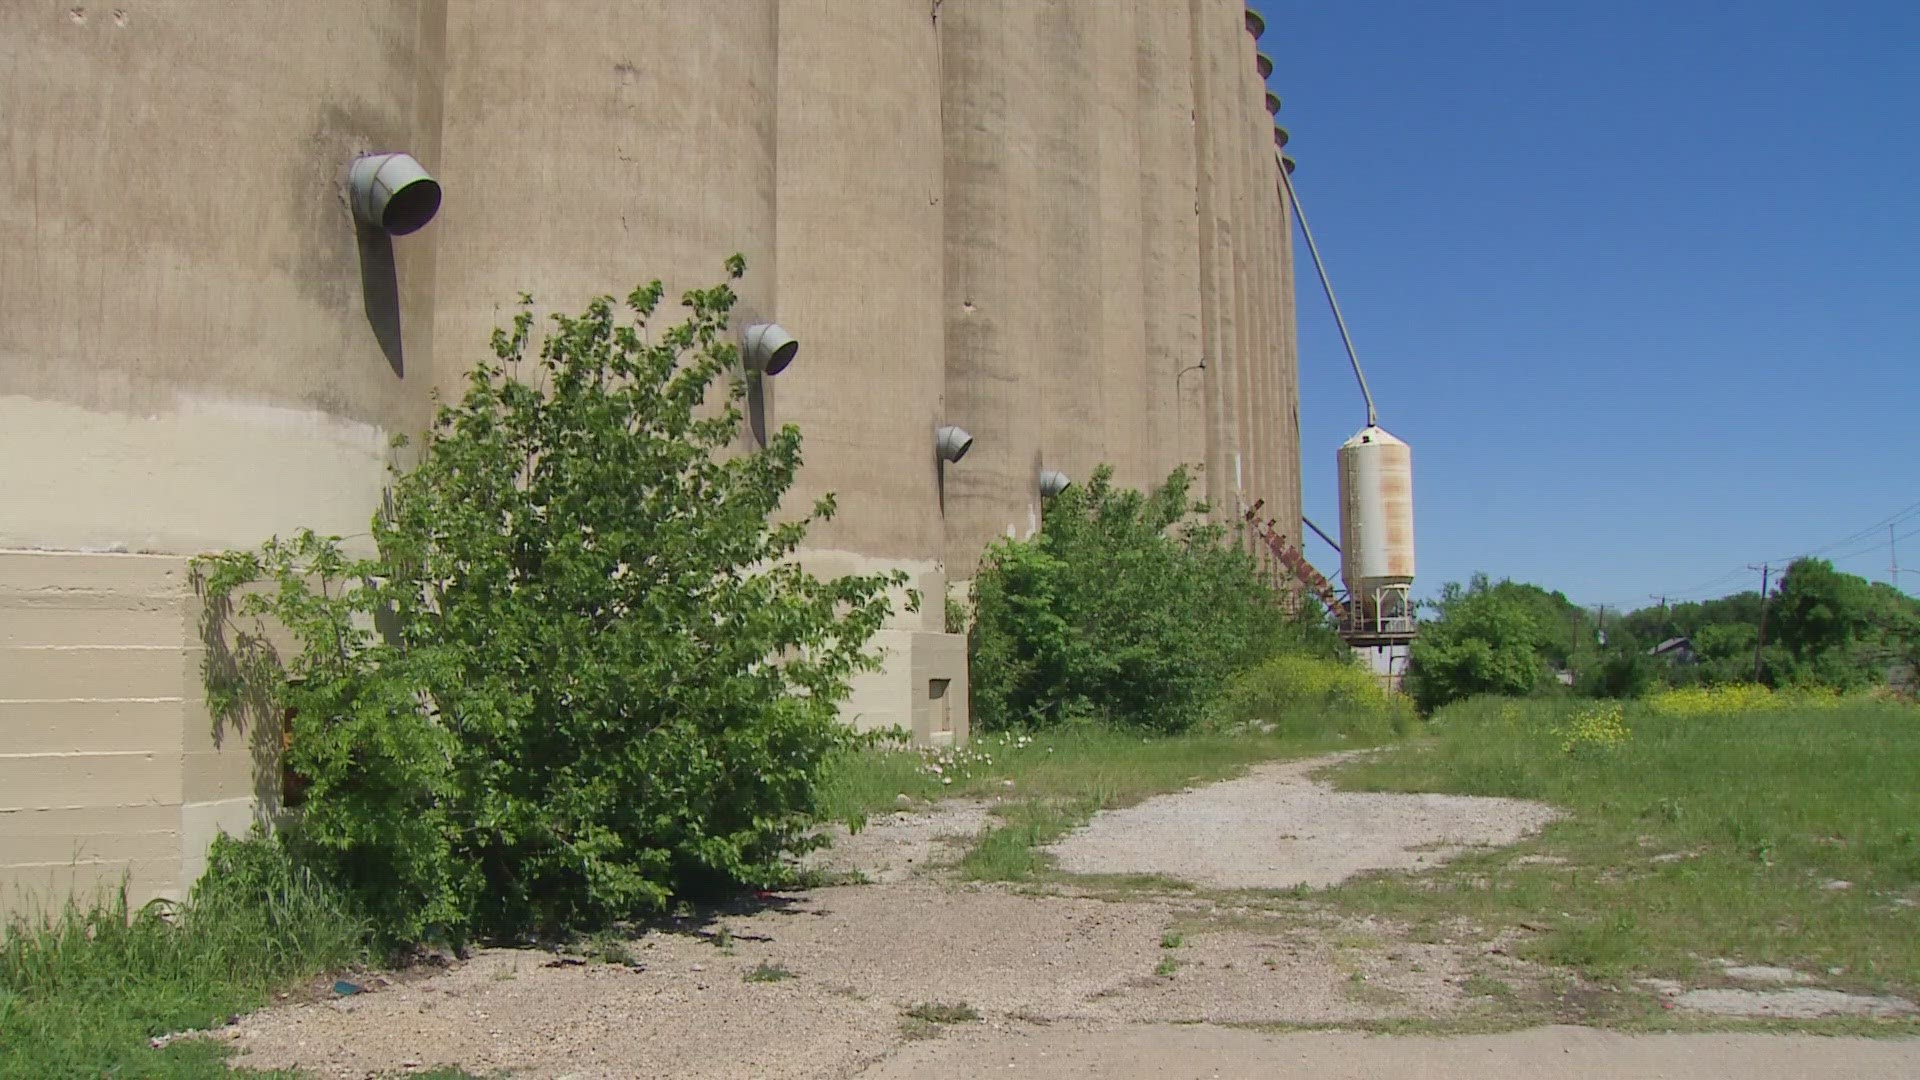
[[861, 246], [1216, 32], [197, 351], [1261, 287], [1124, 369], [593, 145], [1023, 217], [1068, 321], [1170, 238], [1231, 58], [994, 386]]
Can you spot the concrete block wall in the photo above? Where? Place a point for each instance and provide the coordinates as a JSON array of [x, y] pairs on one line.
[[111, 771]]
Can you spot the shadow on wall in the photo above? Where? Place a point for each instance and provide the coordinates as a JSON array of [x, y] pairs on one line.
[[380, 291], [759, 408], [239, 664]]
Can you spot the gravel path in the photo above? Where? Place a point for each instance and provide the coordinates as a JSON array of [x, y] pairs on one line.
[[1066, 986], [1276, 828], [1550, 1053]]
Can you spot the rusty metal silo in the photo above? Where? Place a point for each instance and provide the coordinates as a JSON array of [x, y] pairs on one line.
[[1376, 520]]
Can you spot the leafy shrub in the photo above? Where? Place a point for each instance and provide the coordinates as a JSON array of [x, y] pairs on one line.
[[1624, 673], [598, 678], [1115, 610], [1484, 642], [1305, 697]]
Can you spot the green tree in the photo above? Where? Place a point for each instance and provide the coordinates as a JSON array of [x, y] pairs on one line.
[[1121, 608], [1485, 640], [599, 678], [1834, 629]]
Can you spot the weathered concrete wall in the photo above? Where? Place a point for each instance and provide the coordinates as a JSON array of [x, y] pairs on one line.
[[1123, 367], [859, 142], [592, 145], [1023, 217], [993, 315], [197, 350], [188, 311], [110, 767], [1171, 269]]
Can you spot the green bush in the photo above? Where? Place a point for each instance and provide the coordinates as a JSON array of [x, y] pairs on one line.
[[1119, 609], [1485, 641], [1310, 698], [583, 673]]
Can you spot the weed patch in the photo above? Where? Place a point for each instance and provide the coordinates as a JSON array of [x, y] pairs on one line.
[[82, 993], [933, 1012]]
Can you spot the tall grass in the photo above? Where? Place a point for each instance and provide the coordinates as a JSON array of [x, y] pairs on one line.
[[1787, 834], [82, 992]]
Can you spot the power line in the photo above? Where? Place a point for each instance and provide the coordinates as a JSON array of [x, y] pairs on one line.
[[1872, 531]]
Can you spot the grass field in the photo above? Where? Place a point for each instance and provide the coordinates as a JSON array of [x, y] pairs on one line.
[[1784, 834]]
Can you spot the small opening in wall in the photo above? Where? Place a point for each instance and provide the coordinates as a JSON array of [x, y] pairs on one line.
[[937, 689]]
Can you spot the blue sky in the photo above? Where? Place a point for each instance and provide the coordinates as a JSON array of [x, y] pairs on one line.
[[1640, 282]]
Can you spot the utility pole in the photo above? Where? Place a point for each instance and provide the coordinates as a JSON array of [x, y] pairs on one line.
[[1766, 577], [1893, 559]]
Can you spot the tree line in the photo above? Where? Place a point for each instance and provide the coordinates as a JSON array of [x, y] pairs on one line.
[[1817, 627]]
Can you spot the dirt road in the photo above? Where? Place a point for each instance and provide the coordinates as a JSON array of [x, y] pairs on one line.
[[1094, 977], [1551, 1053]]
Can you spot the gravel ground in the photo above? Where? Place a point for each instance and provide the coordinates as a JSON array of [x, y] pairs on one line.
[[1276, 828], [1550, 1053], [860, 956], [1065, 985], [894, 847]]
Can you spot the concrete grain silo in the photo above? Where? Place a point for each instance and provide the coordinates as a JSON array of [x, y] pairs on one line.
[[1249, 252], [1125, 370], [599, 144], [1068, 318], [1213, 199], [994, 382], [1265, 287], [1029, 219], [198, 349], [861, 251], [1170, 239]]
